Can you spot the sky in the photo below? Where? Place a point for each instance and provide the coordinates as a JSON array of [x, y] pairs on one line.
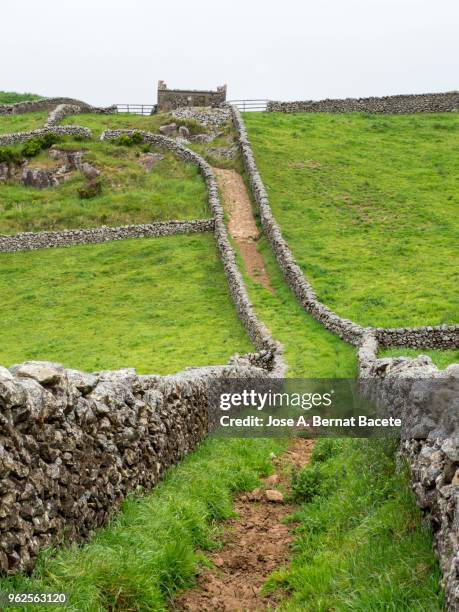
[[115, 51]]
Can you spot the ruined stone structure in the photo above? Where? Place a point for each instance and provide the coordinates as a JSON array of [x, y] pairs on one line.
[[169, 99]]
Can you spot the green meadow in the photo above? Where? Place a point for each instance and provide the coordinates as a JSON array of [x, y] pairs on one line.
[[368, 205], [129, 194], [158, 305]]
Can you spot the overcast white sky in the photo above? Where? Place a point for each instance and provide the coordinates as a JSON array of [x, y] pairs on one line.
[[114, 51]]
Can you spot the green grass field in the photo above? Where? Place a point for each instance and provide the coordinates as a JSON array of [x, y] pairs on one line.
[[442, 359], [22, 123], [310, 351], [11, 97], [368, 206], [130, 194], [158, 305], [361, 543]]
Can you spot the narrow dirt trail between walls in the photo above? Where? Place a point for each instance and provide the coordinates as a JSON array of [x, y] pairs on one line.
[[255, 543], [242, 226]]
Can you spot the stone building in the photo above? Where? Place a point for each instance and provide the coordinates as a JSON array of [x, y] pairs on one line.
[[169, 99]]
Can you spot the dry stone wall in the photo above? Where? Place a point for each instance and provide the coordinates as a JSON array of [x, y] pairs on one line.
[[49, 104], [66, 130], [65, 110], [393, 385], [418, 103], [73, 445], [403, 388], [28, 241], [258, 333]]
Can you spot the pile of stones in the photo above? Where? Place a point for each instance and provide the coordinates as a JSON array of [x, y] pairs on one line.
[[209, 117]]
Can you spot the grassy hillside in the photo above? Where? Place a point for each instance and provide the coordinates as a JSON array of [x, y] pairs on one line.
[[98, 123], [130, 194], [158, 305], [360, 541], [11, 97], [368, 205], [310, 351], [22, 123]]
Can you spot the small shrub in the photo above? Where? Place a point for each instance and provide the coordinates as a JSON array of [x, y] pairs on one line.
[[323, 450], [91, 190], [48, 140], [10, 156], [126, 140], [146, 148], [137, 138], [31, 148], [306, 483]]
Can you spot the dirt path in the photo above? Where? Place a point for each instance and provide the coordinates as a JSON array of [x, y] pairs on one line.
[[242, 226], [255, 544]]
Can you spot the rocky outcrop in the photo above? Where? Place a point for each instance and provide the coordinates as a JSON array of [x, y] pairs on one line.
[[149, 160], [170, 129], [39, 178], [414, 103]]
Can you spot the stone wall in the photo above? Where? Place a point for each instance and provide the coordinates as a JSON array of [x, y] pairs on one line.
[[441, 337], [47, 104], [65, 130], [256, 330], [415, 103], [28, 241], [401, 387], [64, 110], [169, 99], [73, 445]]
